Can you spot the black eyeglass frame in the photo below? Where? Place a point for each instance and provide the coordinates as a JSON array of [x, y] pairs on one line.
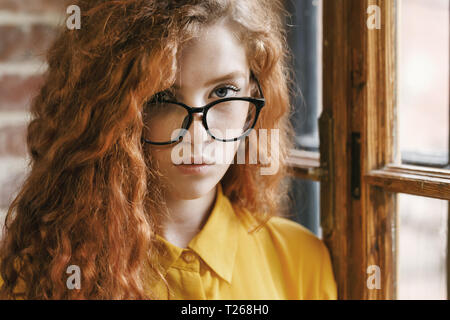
[[258, 102]]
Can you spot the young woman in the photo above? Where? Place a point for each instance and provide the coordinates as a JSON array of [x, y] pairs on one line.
[[141, 84]]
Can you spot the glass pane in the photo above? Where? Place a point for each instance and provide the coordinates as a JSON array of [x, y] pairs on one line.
[[305, 204], [423, 81], [305, 41], [304, 31], [422, 248]]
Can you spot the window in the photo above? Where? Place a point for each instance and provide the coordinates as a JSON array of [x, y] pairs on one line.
[[422, 226], [384, 142], [423, 81]]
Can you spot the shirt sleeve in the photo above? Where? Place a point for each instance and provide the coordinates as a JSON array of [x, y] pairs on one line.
[[328, 287]]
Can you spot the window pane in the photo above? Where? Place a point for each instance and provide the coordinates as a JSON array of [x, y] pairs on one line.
[[305, 204], [304, 29], [423, 81], [422, 247]]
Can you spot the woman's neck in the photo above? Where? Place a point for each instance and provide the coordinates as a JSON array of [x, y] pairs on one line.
[[186, 218]]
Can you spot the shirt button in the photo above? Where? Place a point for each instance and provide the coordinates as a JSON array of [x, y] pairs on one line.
[[188, 257]]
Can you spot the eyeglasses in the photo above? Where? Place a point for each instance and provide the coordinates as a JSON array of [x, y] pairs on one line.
[[227, 119]]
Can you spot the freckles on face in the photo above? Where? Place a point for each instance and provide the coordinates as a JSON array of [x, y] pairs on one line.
[[215, 53], [208, 65]]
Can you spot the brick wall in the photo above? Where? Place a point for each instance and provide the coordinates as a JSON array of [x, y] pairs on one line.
[[27, 28]]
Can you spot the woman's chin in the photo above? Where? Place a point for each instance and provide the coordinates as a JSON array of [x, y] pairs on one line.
[[194, 190]]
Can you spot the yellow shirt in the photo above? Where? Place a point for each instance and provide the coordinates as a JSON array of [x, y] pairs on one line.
[[283, 260]]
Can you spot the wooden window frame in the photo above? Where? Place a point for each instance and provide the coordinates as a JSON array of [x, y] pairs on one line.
[[358, 166]]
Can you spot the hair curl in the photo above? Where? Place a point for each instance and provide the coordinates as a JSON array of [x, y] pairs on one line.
[[92, 196]]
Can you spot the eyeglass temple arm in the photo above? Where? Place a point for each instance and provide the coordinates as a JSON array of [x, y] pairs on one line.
[[257, 82]]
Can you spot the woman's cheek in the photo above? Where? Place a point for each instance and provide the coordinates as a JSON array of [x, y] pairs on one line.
[[162, 158]]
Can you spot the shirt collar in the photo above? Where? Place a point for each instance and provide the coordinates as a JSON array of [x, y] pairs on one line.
[[216, 243]]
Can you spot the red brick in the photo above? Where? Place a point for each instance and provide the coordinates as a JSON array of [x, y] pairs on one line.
[[13, 140], [16, 92], [20, 43], [34, 6]]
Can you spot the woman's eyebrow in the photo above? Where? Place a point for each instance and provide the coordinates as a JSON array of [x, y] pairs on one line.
[[229, 76]]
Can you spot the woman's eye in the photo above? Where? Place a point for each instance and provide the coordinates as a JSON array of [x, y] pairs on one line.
[[222, 92]]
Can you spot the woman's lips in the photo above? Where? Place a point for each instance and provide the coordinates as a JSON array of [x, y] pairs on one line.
[[194, 168]]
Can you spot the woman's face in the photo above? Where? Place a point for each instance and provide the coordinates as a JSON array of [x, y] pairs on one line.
[[213, 55]]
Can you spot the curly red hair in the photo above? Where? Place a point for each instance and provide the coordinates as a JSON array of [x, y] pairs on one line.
[[92, 197]]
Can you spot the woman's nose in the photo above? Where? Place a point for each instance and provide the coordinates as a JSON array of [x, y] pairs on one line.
[[196, 130]]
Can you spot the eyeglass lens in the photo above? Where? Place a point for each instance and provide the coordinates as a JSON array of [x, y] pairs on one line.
[[165, 122]]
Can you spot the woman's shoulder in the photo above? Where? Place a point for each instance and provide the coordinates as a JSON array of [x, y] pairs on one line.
[[296, 238], [308, 253], [305, 257], [290, 228], [290, 236]]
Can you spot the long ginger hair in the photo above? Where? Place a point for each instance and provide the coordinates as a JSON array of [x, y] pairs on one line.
[[92, 194]]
